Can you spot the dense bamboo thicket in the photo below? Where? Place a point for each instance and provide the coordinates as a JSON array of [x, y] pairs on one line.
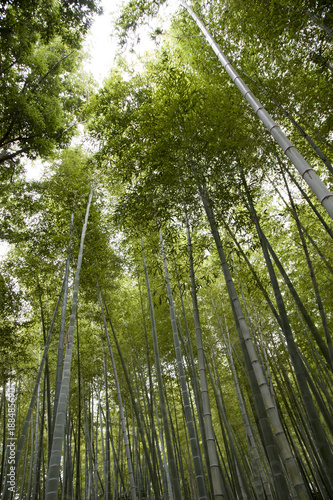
[[166, 303]]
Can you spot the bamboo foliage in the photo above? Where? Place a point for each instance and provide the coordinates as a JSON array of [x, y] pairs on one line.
[[217, 383]]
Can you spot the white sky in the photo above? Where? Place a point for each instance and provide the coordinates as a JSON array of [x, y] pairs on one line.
[[101, 43]]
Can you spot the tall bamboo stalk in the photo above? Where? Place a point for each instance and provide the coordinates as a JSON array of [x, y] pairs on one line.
[[137, 412], [210, 435], [62, 327], [312, 274], [78, 447], [286, 113], [175, 492], [52, 480], [246, 421], [195, 449], [302, 376], [120, 403], [318, 187], [281, 439], [107, 465], [20, 444]]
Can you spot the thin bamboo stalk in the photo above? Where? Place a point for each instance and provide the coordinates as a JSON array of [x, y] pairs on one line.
[[120, 403], [300, 370], [195, 449], [20, 444], [296, 124], [62, 327], [136, 411], [217, 482], [246, 421], [312, 275], [170, 452]]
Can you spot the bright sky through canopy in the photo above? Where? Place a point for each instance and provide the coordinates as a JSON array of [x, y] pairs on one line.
[[101, 42]]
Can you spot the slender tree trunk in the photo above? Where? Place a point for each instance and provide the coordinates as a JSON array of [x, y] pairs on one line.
[[311, 205], [166, 468], [300, 370], [312, 327], [137, 413], [62, 328], [246, 421], [107, 478], [35, 457], [235, 462], [31, 461], [36, 485], [20, 444], [303, 133], [24, 468], [78, 461], [210, 435], [3, 407], [312, 275], [47, 376], [315, 246], [195, 385]]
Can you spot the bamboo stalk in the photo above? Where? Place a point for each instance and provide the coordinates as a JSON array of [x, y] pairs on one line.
[[323, 194], [52, 481]]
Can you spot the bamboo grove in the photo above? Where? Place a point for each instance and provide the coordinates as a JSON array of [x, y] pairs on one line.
[[166, 304]]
